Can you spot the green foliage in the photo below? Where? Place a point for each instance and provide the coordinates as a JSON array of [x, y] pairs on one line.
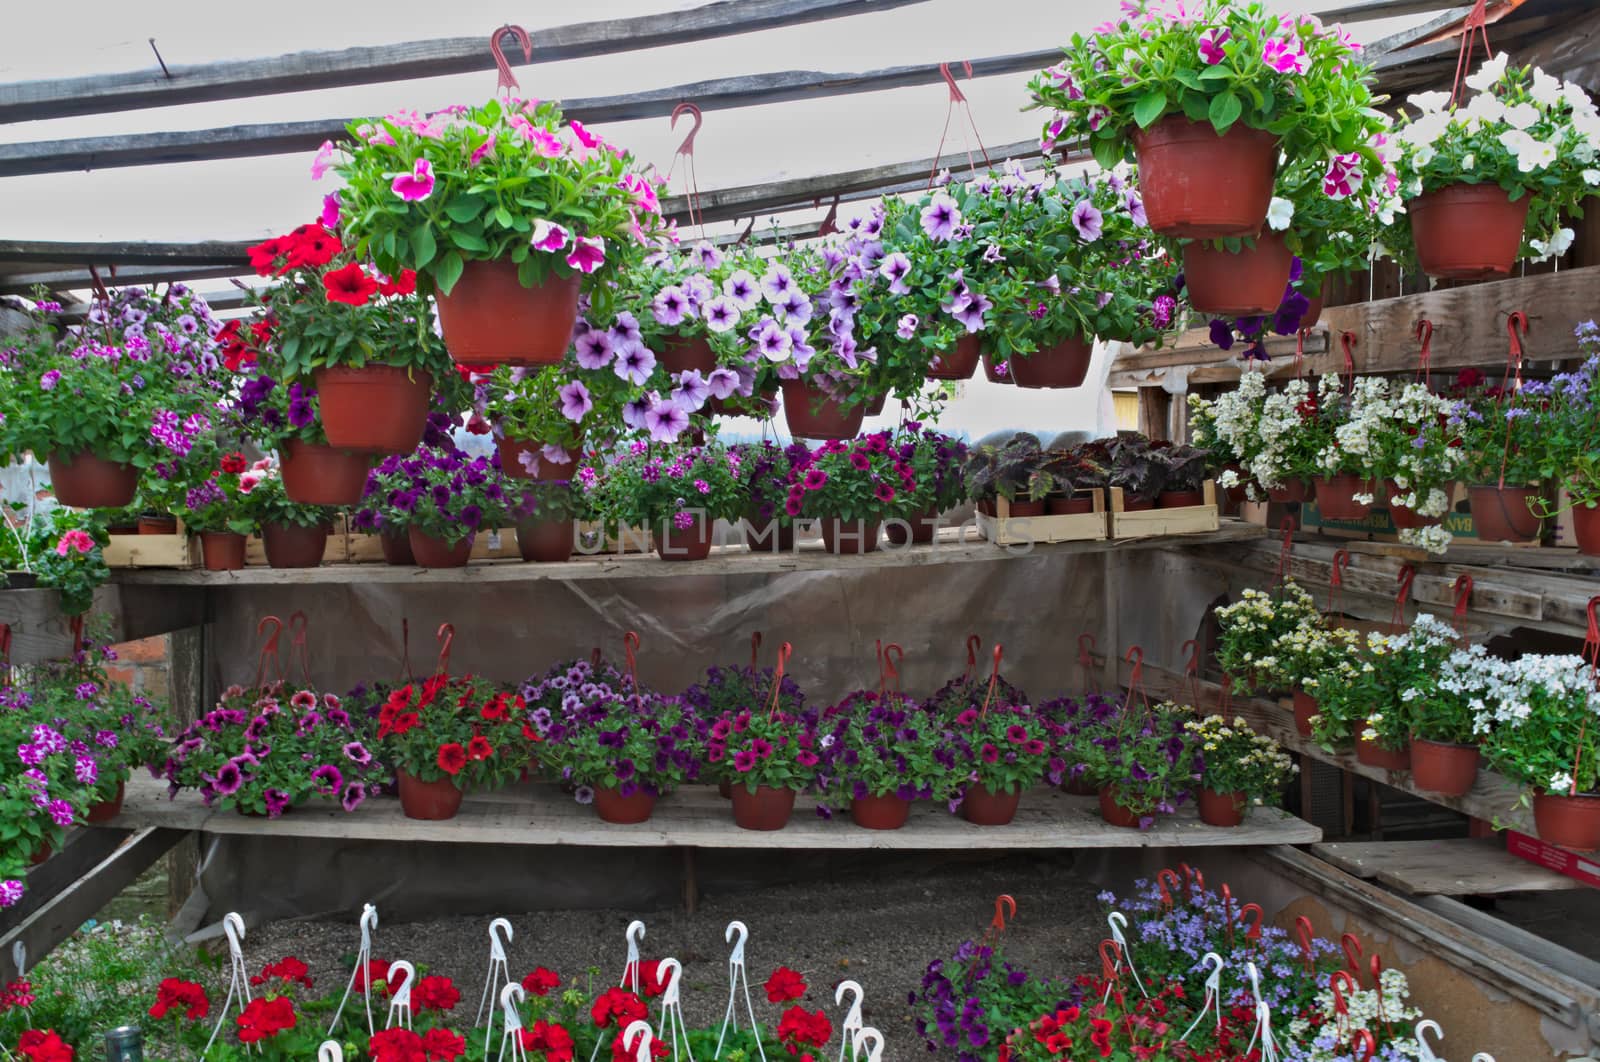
[[639, 485]]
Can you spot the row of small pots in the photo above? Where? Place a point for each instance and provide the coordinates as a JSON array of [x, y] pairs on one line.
[[287, 546]]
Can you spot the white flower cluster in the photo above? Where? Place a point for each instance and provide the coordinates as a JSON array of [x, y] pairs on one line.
[[1377, 1011]]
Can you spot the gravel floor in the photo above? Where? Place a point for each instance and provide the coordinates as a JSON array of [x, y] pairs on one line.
[[879, 929]]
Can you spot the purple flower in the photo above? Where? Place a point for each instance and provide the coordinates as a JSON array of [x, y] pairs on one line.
[[940, 217], [722, 382], [49, 380], [773, 342], [635, 362], [357, 754], [1087, 220], [971, 315], [593, 349], [741, 287], [670, 306], [86, 770], [665, 421], [895, 268], [228, 779], [1221, 334], [692, 390], [327, 779], [907, 326], [353, 795], [721, 314], [575, 401], [277, 802], [300, 412], [583, 794], [777, 284], [1136, 209], [10, 892]]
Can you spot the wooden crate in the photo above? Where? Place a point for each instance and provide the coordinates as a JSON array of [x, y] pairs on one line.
[[153, 551], [1188, 520], [1003, 529]]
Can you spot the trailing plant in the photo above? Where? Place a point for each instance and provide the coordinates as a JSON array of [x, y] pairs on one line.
[[632, 743], [885, 744], [442, 493], [1001, 747], [1147, 757], [1545, 714]]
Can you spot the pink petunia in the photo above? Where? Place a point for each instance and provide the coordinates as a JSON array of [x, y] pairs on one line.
[[323, 160], [1285, 56], [588, 253], [545, 143], [482, 151], [330, 211], [1211, 42], [584, 137], [548, 236], [416, 185]]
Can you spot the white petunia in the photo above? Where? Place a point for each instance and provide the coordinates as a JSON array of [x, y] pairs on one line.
[[1280, 213], [1429, 102], [1491, 71], [1521, 115]]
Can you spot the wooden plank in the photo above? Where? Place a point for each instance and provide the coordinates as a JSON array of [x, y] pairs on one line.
[[81, 852], [68, 909], [74, 279], [80, 253], [541, 815], [1464, 866], [306, 71]]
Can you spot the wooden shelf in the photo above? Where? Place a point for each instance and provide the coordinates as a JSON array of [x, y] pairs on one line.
[[541, 815], [1464, 866]]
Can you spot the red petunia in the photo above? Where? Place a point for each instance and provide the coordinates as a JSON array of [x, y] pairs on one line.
[[43, 1045], [264, 1018], [310, 247], [496, 709], [452, 757], [617, 1006], [541, 981], [550, 1038], [349, 285], [234, 463], [436, 992], [785, 985], [406, 285], [479, 748], [264, 256]]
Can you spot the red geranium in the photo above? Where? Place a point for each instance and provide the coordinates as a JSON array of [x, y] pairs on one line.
[[234, 463], [617, 1006], [479, 748], [541, 981], [187, 996], [265, 1017], [442, 1045], [651, 983], [43, 1045], [349, 284], [288, 969], [784, 985], [800, 1027], [550, 1038], [377, 975], [619, 1053], [396, 1045], [436, 992], [452, 757]]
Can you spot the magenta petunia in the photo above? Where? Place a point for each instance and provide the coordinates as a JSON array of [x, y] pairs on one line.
[[588, 253], [416, 185]]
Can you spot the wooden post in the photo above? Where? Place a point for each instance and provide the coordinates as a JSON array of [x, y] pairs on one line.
[[186, 664], [1155, 407]]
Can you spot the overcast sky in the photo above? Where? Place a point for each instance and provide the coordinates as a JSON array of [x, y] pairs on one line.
[[249, 198]]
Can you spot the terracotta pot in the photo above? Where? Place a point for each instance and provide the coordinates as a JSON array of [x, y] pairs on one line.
[[433, 552], [1115, 813], [1062, 366], [725, 790], [612, 806], [158, 525], [107, 809], [293, 546], [1374, 755], [1131, 504], [880, 813], [489, 318], [761, 538], [85, 481], [314, 474], [681, 355], [511, 451], [1399, 515], [376, 409], [984, 807], [1336, 497], [765, 809], [221, 551], [876, 405], [1295, 490], [1468, 231], [692, 543], [1221, 809], [916, 529], [1180, 499], [986, 506], [1501, 514], [957, 364], [811, 414], [1242, 284], [397, 549], [1236, 495], [123, 529], [40, 854], [1198, 185], [1443, 767], [545, 541], [1317, 302], [1071, 506], [1078, 787], [428, 800], [991, 374], [849, 538], [1586, 529], [1025, 509], [1305, 706], [1568, 821]]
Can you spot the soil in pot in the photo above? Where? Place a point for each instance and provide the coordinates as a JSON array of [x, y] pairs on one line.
[[1073, 505], [1238, 284], [1468, 231], [512, 463], [1375, 755], [221, 551], [956, 364], [690, 543], [681, 355], [396, 549], [107, 809], [1571, 822], [1443, 767], [880, 812], [433, 552], [812, 414], [983, 807], [1221, 809], [916, 529], [772, 537], [849, 537], [428, 800], [158, 525], [1198, 185], [314, 474], [1115, 813], [765, 809], [1305, 706], [1180, 499], [1586, 529], [612, 806], [545, 541], [1062, 366], [293, 546], [991, 370], [490, 318], [1336, 497], [85, 481], [1501, 514], [376, 409]]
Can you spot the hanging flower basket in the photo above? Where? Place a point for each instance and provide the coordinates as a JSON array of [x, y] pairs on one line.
[[983, 807], [1443, 767], [991, 370], [613, 807], [1468, 231], [293, 546], [1295, 490], [692, 543], [546, 541], [1403, 518], [1062, 366], [880, 813], [1197, 185], [1336, 497], [765, 809], [431, 552], [682, 355], [1568, 821], [1221, 809], [1502, 514], [1305, 706], [221, 551], [316, 474], [376, 409], [1245, 283], [1114, 813], [428, 800], [489, 318], [85, 481], [812, 414], [956, 364]]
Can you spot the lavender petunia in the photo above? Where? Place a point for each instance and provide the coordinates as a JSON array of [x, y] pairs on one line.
[[1087, 220]]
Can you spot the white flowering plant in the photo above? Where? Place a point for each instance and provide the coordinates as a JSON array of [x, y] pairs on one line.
[[1348, 425], [1547, 725], [1357, 698], [1325, 1034], [1524, 130], [1248, 630], [1239, 760], [1308, 648], [1455, 702]]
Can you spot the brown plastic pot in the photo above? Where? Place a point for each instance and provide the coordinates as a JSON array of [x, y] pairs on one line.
[[158, 525], [489, 318], [1059, 367], [725, 790], [1131, 504], [1468, 231], [1305, 706], [1295, 490], [763, 538], [1586, 529], [765, 809], [1221, 809], [1027, 509], [1197, 185], [428, 800], [1374, 755], [85, 481], [40, 854], [1245, 283], [511, 451], [849, 537], [107, 809], [880, 812], [314, 474], [397, 549], [992, 373], [1239, 494], [1077, 786], [1501, 514], [812, 414], [545, 541], [1403, 518], [957, 364], [1443, 767], [1317, 302], [433, 552], [682, 355], [1180, 499], [1115, 813], [1074, 505], [376, 409], [915, 529], [692, 543], [876, 405], [221, 551], [612, 806], [1336, 497], [1568, 821], [983, 807], [293, 546]]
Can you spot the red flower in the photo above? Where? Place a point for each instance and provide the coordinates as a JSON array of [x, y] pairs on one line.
[[311, 247], [188, 996], [785, 985], [541, 981], [235, 353], [550, 1038], [442, 1045], [377, 975], [264, 1018], [479, 748], [1100, 1035], [43, 1046], [530, 733], [617, 1006], [288, 969], [658, 1049], [349, 285], [496, 709], [396, 1045], [799, 1027], [651, 983], [234, 463], [452, 757], [476, 425], [397, 725], [436, 992], [264, 256], [406, 285]]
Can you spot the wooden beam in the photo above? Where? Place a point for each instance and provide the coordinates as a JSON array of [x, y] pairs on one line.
[[307, 71], [58, 253], [74, 279], [81, 851]]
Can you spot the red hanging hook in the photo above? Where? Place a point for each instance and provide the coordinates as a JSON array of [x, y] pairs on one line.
[[1253, 932], [1002, 905], [297, 643], [1591, 640], [830, 220], [956, 95], [595, 656], [1463, 590], [1348, 343], [1111, 961], [1363, 1047], [1300, 351], [777, 677], [270, 647], [1086, 648], [447, 636], [5, 648], [974, 643], [1286, 554], [755, 649], [1424, 334], [1168, 898], [630, 646], [1135, 656], [893, 657], [1403, 580], [1516, 332], [1341, 983], [1227, 913], [1307, 934], [507, 79], [1352, 955], [687, 147], [1477, 19], [994, 680], [1341, 563]]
